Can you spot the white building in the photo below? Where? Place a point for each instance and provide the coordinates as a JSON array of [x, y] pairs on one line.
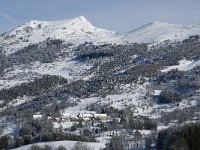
[[100, 116], [37, 116]]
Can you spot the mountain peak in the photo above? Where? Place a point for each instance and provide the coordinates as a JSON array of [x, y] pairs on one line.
[[81, 18], [160, 31], [158, 22], [76, 30]]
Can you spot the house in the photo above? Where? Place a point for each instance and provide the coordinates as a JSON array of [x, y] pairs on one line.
[[85, 117], [117, 119], [65, 117], [100, 116], [69, 117], [74, 118], [37, 116], [49, 118]]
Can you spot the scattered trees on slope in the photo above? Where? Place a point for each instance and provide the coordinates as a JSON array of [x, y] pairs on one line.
[[183, 137]]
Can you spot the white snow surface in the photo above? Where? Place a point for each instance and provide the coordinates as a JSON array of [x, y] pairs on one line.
[[157, 92], [66, 68], [184, 65], [5, 84], [68, 144], [79, 30], [129, 95], [76, 31], [158, 32], [19, 100]]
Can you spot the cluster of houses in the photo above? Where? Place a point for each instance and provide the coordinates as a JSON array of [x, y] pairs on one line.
[[70, 117], [92, 123]]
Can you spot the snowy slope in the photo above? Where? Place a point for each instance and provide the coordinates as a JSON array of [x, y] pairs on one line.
[[79, 30], [66, 68], [76, 31], [184, 65], [67, 144], [159, 32]]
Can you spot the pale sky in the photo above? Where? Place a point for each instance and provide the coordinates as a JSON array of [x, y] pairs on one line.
[[117, 15]]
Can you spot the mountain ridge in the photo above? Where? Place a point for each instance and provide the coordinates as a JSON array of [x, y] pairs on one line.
[[79, 30], [160, 31], [50, 69]]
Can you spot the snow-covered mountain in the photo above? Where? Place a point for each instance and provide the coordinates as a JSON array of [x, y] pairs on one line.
[[75, 31], [79, 30], [159, 32], [72, 69]]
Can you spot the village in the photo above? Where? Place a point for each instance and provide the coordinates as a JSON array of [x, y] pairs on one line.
[[100, 126], [88, 124]]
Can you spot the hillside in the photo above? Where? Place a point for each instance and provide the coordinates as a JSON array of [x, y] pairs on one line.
[[68, 80], [158, 32], [75, 31]]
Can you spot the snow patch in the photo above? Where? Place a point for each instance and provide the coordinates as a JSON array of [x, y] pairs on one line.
[[184, 65], [67, 144], [157, 92]]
